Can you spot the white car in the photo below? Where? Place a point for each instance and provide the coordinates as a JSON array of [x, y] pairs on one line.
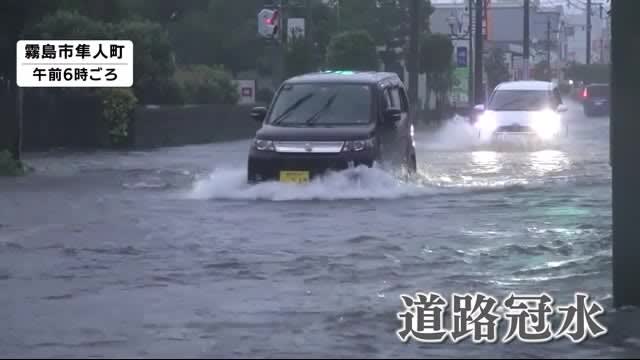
[[529, 108]]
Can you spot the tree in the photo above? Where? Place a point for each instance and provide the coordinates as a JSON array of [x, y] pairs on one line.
[[223, 33], [496, 67], [298, 58], [69, 25], [153, 63], [352, 50], [436, 52], [387, 21]]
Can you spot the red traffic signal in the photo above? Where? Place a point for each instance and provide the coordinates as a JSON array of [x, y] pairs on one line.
[[268, 23], [273, 20]]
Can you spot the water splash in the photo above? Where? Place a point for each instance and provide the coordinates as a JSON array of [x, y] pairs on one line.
[[359, 183], [456, 134]]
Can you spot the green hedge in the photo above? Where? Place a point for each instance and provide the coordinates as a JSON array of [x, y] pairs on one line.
[[202, 84]]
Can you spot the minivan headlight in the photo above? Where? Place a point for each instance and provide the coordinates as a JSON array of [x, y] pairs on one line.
[[264, 145], [358, 145]]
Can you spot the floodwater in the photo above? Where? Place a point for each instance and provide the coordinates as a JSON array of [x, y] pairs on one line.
[[171, 253]]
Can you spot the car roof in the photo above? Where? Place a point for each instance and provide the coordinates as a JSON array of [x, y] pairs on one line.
[[359, 77], [598, 84], [526, 85]]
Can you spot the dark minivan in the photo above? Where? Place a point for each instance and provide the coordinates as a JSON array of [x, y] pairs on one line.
[[332, 120], [595, 100]]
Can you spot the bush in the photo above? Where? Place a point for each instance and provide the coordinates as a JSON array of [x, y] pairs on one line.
[[202, 84], [9, 166], [118, 105], [352, 50]]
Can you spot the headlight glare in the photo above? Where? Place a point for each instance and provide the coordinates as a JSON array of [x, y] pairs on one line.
[[486, 121], [546, 123]]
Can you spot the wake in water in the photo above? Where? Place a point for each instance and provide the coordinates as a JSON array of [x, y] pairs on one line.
[[359, 183], [458, 134]]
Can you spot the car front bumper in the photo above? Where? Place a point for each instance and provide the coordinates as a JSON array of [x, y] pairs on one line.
[[507, 132], [268, 165]]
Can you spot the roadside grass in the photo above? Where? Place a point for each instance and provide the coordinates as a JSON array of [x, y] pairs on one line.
[[10, 167]]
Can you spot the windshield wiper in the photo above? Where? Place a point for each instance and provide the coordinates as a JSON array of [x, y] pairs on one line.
[[294, 106], [324, 108]]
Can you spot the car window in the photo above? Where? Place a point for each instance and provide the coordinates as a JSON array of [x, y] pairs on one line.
[[395, 96], [387, 99], [598, 91], [326, 104], [404, 102], [520, 100]]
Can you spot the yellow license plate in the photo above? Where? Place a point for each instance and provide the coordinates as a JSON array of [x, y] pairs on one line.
[[294, 176]]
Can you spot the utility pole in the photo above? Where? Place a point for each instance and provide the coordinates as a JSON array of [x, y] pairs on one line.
[[414, 53], [469, 54], [17, 152], [284, 34], [549, 48], [588, 32], [307, 31], [478, 63], [525, 42], [624, 149]]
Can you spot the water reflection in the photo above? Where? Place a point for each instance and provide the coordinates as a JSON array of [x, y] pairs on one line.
[[486, 162], [549, 161]]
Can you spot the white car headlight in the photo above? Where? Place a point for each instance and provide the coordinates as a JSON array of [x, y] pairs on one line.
[[264, 145], [487, 121], [546, 123], [358, 145]]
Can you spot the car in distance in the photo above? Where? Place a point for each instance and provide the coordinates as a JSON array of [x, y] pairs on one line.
[[595, 100], [522, 108], [331, 121]]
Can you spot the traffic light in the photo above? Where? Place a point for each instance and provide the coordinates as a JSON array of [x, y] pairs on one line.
[[268, 23]]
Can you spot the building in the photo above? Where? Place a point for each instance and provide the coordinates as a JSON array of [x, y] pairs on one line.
[[576, 30], [504, 28]]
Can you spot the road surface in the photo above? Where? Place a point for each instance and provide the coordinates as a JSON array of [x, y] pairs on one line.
[[170, 253]]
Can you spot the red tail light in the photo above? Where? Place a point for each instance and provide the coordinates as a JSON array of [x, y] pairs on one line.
[[585, 93]]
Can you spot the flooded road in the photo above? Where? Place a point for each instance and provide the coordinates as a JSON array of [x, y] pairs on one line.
[[170, 253]]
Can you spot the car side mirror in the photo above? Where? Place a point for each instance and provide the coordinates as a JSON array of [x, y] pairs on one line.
[[479, 108], [562, 108], [392, 115], [258, 113]]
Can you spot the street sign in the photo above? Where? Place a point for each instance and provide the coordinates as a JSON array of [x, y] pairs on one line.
[[74, 63], [295, 28], [247, 91]]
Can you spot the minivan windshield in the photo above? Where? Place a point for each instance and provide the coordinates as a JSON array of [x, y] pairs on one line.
[[519, 100], [322, 105]]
